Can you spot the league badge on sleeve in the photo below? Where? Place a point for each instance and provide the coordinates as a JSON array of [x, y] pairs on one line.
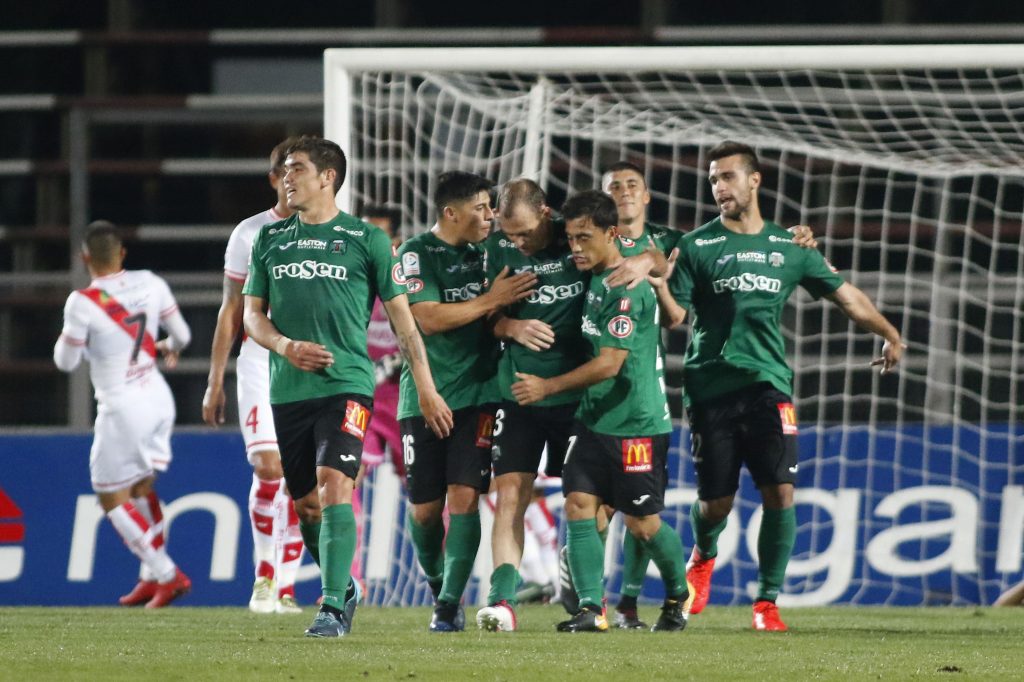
[[620, 326], [411, 264]]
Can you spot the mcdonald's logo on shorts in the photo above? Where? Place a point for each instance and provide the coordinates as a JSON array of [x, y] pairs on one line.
[[637, 455], [787, 415], [484, 430], [357, 419]]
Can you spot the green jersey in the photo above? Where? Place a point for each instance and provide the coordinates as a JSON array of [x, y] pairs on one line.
[[557, 300], [463, 360], [320, 282], [663, 238], [632, 403], [735, 287]]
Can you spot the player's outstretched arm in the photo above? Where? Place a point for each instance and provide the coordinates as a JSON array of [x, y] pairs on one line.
[[304, 355], [858, 307], [434, 317], [435, 410], [635, 269], [530, 388], [229, 321], [536, 335]]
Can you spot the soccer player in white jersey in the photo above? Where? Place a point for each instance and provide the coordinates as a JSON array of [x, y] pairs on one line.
[[275, 526], [114, 324]]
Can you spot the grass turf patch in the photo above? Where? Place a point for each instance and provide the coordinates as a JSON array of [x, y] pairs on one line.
[[393, 643]]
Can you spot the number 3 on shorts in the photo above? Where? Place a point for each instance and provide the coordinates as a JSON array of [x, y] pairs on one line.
[[408, 450]]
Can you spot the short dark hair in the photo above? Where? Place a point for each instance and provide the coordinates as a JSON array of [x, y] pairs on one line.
[[102, 241], [520, 191], [323, 154], [458, 186], [279, 154], [732, 148], [624, 166], [592, 204], [392, 213]]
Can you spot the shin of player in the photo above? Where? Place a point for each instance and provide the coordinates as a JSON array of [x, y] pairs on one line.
[[444, 269], [115, 321], [317, 270], [617, 450], [276, 539]]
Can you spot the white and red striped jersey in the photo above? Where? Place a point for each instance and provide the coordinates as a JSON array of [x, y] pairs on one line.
[[115, 323], [255, 357]]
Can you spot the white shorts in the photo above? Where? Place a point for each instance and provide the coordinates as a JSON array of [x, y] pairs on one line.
[[132, 438], [254, 417]]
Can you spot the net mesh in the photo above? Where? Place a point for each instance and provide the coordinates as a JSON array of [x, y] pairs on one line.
[[909, 485]]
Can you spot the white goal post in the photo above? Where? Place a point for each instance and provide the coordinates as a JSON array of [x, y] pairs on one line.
[[907, 163]]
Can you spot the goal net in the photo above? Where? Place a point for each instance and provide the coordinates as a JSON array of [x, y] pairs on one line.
[[906, 161]]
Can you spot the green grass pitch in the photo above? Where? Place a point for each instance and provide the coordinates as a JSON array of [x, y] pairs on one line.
[[393, 644]]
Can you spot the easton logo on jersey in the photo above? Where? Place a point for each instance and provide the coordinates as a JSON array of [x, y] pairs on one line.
[[637, 455]]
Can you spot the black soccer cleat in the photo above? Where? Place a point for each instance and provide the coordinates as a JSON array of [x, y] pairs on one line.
[[627, 619], [587, 619], [448, 618], [327, 623], [672, 618]]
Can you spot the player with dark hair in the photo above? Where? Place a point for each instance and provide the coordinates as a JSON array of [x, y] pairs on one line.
[[114, 323], [541, 335], [444, 269], [275, 526], [736, 273], [618, 448], [319, 271]]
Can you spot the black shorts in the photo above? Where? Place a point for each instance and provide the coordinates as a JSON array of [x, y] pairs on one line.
[[321, 432], [628, 473], [756, 426], [463, 458], [522, 431]]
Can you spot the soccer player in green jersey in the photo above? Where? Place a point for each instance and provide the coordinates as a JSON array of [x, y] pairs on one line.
[[736, 273], [446, 282], [319, 271], [617, 451], [541, 336]]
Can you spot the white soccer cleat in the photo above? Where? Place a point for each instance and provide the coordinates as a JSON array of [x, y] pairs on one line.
[[262, 599], [500, 617], [286, 604]]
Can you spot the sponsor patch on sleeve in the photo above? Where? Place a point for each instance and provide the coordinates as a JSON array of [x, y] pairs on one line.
[[397, 274], [637, 455], [357, 419], [413, 285], [787, 415], [624, 304], [620, 326]]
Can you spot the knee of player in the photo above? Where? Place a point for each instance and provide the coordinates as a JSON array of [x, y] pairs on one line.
[[578, 508], [267, 466], [643, 528], [716, 510]]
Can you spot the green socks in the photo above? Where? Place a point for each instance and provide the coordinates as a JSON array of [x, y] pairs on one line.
[[460, 552], [504, 581], [311, 538], [635, 560], [586, 561], [774, 546], [666, 549], [429, 544], [338, 547], [705, 534]]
